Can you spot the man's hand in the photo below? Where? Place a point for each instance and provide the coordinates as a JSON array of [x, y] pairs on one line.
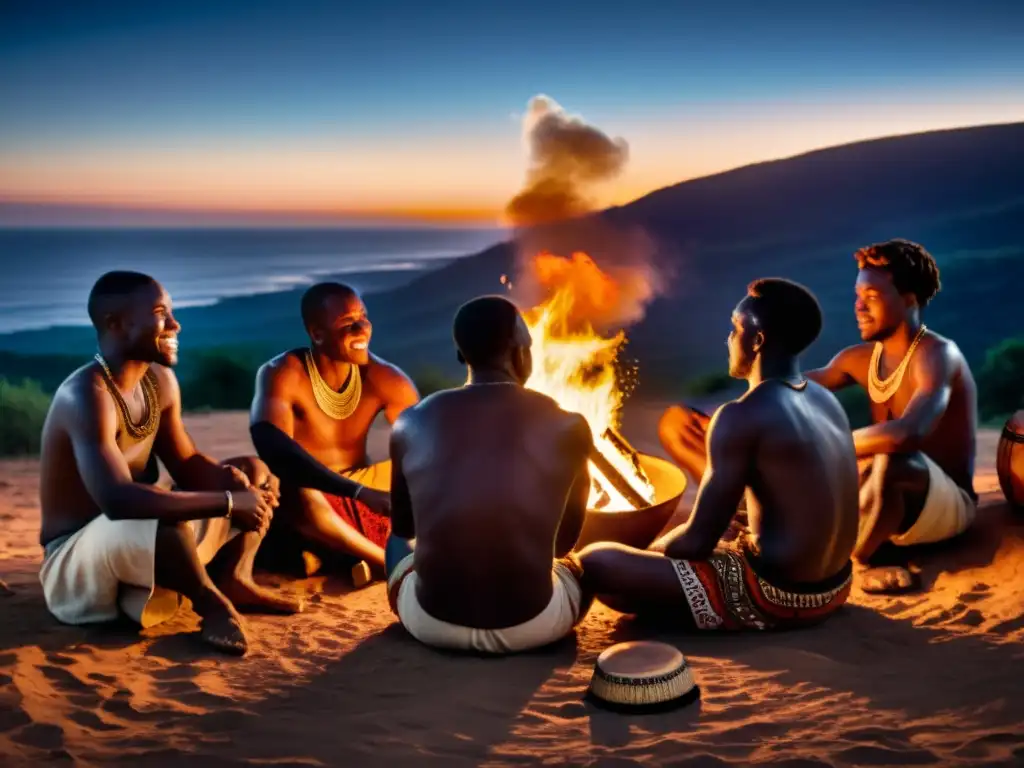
[[253, 509], [250, 472], [377, 501], [234, 478]]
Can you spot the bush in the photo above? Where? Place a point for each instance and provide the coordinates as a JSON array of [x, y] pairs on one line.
[[431, 380], [857, 406], [708, 384], [23, 410], [1001, 380], [219, 382]]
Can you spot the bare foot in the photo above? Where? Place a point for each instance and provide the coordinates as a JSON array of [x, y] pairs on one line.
[[249, 597], [361, 574], [221, 626], [889, 580]]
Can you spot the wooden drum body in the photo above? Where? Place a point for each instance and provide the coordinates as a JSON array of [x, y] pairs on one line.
[[1010, 461]]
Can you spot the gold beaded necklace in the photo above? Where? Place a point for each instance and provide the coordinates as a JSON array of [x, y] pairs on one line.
[[150, 395], [883, 389], [337, 405]]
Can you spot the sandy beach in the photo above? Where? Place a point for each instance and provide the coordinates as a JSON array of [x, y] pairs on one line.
[[929, 679]]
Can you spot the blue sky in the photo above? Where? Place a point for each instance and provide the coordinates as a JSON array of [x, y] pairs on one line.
[[302, 106]]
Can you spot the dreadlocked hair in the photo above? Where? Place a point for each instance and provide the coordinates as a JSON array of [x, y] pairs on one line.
[[913, 269]]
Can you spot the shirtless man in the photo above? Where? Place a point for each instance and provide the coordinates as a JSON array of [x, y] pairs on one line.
[[491, 480], [311, 415], [918, 455], [112, 539], [786, 446], [918, 487]]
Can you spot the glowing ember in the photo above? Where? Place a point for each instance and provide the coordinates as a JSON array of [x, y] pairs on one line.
[[575, 365]]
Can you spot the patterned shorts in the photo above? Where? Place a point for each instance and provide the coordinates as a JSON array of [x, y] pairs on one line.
[[725, 592]]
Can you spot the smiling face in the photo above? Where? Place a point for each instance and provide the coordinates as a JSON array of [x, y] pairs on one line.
[[343, 331], [145, 326], [879, 307]]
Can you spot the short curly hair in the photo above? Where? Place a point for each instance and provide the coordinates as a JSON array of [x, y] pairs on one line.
[[913, 269]]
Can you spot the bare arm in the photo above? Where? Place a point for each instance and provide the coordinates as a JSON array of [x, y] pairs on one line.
[[932, 369], [574, 515], [837, 374], [396, 390], [403, 528], [731, 445], [92, 427], [191, 469]]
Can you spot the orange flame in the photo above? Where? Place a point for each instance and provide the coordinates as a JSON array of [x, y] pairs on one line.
[[575, 365]]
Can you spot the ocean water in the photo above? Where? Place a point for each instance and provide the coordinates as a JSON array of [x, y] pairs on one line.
[[46, 275]]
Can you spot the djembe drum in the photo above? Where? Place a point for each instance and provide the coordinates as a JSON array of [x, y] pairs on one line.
[[642, 676], [1010, 461]]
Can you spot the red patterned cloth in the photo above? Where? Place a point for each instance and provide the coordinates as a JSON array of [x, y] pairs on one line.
[[372, 525], [725, 592]]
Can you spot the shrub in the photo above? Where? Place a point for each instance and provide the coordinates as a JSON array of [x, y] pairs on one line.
[[1001, 380], [431, 380], [23, 409], [219, 381], [708, 384], [857, 406]]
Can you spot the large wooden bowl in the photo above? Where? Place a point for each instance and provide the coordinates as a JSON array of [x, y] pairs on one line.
[[639, 527]]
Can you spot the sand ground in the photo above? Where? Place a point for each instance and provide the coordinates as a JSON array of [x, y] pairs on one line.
[[931, 679]]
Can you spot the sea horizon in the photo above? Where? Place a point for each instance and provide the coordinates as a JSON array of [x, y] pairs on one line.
[[50, 270]]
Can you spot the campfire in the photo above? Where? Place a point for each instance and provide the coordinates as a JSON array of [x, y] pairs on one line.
[[577, 366]]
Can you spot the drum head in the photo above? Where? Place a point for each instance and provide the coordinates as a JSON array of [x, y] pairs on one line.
[[642, 676]]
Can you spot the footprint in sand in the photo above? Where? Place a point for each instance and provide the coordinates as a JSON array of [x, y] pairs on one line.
[[40, 735], [92, 721], [77, 691], [978, 592], [870, 755]]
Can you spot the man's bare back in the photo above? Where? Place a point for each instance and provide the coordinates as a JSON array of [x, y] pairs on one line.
[[489, 489], [802, 492], [489, 469]]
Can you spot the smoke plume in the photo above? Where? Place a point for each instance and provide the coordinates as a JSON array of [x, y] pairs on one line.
[[611, 271], [566, 156]]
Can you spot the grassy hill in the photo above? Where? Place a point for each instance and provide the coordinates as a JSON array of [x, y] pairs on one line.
[[960, 193]]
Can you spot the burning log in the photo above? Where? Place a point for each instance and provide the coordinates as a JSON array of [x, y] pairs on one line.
[[613, 476], [622, 445]]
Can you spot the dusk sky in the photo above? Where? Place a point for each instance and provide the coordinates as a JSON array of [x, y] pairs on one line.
[[414, 109]]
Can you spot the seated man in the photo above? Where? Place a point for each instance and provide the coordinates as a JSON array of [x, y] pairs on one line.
[[918, 487], [491, 480], [786, 445], [311, 415], [918, 455], [112, 539]]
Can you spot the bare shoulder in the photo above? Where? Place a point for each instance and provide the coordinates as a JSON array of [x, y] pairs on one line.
[[283, 370], [168, 388], [938, 344], [739, 420], [570, 426], [387, 378], [939, 355], [854, 357], [81, 397]]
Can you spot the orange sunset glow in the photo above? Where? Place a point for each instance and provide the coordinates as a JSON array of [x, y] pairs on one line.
[[449, 179]]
